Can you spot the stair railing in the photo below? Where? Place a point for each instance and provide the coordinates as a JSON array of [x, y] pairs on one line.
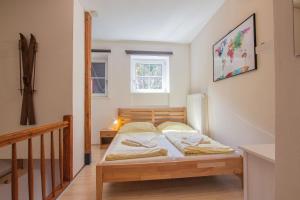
[[64, 129]]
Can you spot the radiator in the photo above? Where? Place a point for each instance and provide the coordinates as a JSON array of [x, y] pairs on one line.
[[197, 112]]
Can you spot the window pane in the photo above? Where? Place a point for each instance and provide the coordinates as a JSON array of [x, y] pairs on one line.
[[139, 70], [98, 69], [98, 86], [155, 83], [155, 69], [142, 83], [146, 69], [150, 74]]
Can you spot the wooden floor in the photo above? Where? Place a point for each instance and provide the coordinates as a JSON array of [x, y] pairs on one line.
[[205, 188]]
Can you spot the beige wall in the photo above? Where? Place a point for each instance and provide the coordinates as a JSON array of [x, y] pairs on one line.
[[51, 21], [104, 109], [287, 104], [242, 108], [54, 59], [297, 30]]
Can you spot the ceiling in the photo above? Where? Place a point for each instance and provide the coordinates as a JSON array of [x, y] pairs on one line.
[[150, 20]]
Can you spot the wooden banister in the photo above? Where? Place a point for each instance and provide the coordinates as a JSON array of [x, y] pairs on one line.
[[18, 136], [65, 157]]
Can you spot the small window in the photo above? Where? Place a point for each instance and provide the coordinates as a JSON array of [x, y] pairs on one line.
[[99, 78], [149, 74]]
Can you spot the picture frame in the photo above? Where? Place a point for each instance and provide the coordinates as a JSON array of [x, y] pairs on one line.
[[234, 54]]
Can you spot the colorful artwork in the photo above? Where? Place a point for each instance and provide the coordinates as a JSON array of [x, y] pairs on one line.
[[235, 53]]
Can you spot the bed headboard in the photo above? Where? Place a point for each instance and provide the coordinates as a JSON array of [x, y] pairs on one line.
[[154, 115]]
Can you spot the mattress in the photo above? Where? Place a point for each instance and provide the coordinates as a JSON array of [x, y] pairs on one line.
[[173, 153]]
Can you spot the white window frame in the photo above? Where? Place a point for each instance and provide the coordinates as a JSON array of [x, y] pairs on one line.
[[164, 60], [98, 60]]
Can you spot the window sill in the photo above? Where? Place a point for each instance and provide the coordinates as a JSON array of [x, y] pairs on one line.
[[96, 96]]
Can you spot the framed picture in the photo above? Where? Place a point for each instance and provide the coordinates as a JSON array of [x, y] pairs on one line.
[[235, 53]]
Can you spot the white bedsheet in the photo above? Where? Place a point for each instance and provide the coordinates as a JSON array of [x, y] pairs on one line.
[[173, 153]]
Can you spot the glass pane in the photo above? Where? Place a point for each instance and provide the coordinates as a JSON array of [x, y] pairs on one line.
[[142, 83], [156, 83], [98, 86], [146, 69], [139, 70], [155, 69], [98, 69]]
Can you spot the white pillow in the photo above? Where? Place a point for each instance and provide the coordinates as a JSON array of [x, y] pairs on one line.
[[134, 127], [175, 127]]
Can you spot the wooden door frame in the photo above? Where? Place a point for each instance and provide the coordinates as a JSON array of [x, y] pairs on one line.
[[88, 89]]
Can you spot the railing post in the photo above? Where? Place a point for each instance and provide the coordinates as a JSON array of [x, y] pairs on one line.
[[14, 176], [68, 149], [43, 170]]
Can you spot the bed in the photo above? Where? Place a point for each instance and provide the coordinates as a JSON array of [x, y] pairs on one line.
[[175, 165]]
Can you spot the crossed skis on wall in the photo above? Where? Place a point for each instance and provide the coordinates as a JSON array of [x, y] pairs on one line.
[[27, 54]]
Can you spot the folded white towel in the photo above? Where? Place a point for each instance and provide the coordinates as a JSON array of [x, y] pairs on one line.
[[193, 140], [139, 142]]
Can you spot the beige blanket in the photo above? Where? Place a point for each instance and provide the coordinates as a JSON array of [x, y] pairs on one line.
[[132, 146], [192, 146]]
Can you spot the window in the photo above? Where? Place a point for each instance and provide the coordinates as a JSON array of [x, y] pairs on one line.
[[99, 78], [149, 74]]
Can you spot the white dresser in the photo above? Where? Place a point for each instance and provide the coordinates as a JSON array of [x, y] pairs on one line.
[[259, 172]]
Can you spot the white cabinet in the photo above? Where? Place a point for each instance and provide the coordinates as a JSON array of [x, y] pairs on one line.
[[259, 172]]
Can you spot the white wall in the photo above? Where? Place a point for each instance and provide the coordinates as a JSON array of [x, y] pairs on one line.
[[51, 21], [241, 109], [78, 86], [287, 104], [104, 109]]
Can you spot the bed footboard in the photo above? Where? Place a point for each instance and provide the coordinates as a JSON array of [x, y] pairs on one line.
[[166, 170], [99, 182]]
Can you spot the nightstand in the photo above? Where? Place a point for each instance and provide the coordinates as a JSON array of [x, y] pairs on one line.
[[106, 136]]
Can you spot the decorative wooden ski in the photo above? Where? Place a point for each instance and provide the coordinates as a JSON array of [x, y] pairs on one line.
[[27, 78]]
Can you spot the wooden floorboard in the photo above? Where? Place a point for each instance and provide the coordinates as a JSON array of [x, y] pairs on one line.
[[205, 188]]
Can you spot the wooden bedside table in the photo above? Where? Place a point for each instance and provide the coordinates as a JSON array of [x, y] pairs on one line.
[[106, 136]]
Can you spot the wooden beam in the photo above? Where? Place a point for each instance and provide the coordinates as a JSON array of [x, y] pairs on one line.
[[88, 89]]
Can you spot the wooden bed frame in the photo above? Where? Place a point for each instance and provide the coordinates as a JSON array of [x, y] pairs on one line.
[[154, 115], [169, 169]]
